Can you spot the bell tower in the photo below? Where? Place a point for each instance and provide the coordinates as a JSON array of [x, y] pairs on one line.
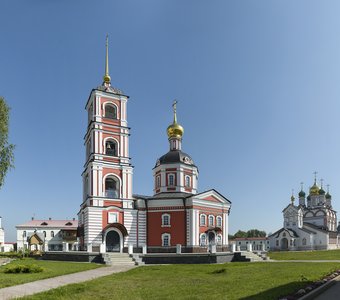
[[107, 175]]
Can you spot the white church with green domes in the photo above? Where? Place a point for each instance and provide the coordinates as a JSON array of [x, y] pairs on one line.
[[311, 224]]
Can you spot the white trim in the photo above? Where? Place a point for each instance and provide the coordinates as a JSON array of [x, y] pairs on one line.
[[109, 103], [213, 220], [115, 141], [205, 220]]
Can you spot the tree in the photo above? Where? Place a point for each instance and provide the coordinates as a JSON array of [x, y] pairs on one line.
[[6, 150], [240, 234], [256, 233]]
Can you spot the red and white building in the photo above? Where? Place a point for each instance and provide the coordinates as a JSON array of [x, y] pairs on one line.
[[111, 218]]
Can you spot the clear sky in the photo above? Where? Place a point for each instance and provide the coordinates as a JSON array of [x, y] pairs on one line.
[[257, 84]]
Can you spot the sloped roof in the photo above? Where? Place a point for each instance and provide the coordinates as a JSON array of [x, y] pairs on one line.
[[50, 224]]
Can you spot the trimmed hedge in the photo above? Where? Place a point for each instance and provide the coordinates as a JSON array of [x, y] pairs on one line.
[[23, 269]]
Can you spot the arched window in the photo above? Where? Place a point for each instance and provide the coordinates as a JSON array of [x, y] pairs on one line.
[[203, 220], [211, 220], [24, 233], [203, 239], [52, 233], [44, 233], [111, 148], [111, 188], [187, 181], [110, 111], [304, 242], [165, 220], [166, 239], [171, 179], [219, 221]]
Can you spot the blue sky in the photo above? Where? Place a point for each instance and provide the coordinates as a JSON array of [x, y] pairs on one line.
[[257, 84]]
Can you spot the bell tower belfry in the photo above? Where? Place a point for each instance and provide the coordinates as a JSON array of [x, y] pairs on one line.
[[107, 175]]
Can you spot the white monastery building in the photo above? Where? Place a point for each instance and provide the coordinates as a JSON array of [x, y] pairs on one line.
[[309, 225], [47, 235], [112, 218]]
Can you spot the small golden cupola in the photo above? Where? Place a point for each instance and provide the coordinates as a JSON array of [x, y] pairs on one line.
[[175, 131]]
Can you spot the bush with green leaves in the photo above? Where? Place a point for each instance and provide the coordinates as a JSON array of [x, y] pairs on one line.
[[23, 269]]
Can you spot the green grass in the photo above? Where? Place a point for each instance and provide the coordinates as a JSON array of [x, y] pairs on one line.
[[51, 269], [306, 255], [237, 281]]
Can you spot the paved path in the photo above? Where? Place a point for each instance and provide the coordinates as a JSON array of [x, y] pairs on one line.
[[333, 292], [34, 287]]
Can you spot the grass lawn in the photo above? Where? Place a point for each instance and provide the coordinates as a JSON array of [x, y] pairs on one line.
[[306, 255], [51, 269], [228, 281]]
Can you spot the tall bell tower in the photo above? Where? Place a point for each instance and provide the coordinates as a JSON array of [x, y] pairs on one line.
[[107, 175]]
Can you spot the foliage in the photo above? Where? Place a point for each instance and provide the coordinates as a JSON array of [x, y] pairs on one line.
[[23, 269], [6, 150], [249, 233], [240, 281], [12, 254], [51, 269], [306, 255]]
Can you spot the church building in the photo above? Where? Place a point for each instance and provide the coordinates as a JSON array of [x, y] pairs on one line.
[[309, 225], [113, 219]]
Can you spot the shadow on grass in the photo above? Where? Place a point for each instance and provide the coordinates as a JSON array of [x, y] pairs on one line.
[[279, 291]]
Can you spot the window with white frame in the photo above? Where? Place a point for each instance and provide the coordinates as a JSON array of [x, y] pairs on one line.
[[219, 221], [52, 234], [113, 217], [187, 181], [203, 239], [203, 219], [110, 111], [111, 188], [211, 220], [166, 239], [171, 179], [165, 220], [158, 181]]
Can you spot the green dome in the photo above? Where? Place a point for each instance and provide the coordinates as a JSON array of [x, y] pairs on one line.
[[328, 196], [321, 192], [302, 194]]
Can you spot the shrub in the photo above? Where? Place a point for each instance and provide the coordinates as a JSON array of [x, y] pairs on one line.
[[23, 269]]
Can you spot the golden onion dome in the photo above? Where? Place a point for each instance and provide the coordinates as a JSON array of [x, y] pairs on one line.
[[314, 190], [175, 131]]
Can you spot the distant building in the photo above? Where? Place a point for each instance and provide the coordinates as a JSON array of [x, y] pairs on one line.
[[47, 235], [310, 225]]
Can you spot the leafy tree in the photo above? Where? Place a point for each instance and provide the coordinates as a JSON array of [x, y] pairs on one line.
[[6, 150], [240, 234], [256, 233]]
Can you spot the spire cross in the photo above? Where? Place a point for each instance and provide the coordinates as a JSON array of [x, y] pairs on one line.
[[321, 180], [301, 183], [174, 106], [327, 188], [315, 173]]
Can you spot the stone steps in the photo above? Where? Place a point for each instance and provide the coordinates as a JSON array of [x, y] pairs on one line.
[[118, 259]]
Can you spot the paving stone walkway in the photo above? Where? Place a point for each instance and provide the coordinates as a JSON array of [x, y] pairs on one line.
[[34, 287]]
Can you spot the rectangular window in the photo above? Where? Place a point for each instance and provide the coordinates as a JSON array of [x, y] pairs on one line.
[[171, 179], [113, 217], [166, 240]]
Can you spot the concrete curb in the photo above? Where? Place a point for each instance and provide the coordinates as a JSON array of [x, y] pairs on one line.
[[318, 291]]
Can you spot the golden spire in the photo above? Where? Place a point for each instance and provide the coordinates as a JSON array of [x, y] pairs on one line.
[[175, 130], [107, 78]]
